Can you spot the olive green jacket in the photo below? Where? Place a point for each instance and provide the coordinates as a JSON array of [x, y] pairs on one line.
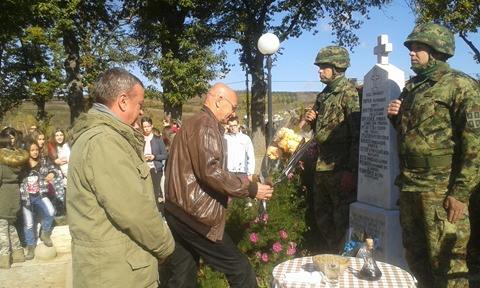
[[11, 162], [438, 129], [337, 127], [118, 235]]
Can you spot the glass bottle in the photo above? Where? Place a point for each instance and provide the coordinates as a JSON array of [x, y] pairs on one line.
[[370, 270]]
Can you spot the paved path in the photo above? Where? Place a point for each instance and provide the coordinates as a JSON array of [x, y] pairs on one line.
[[55, 273]]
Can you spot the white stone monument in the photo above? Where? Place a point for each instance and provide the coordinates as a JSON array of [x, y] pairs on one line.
[[376, 211], [378, 157]]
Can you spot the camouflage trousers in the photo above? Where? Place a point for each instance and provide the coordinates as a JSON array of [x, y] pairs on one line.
[[435, 248], [331, 207], [9, 240]]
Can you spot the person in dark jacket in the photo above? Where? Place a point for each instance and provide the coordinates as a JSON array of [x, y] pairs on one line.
[[198, 187], [11, 162], [155, 155]]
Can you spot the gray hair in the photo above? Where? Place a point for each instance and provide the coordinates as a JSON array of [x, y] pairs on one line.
[[112, 83]]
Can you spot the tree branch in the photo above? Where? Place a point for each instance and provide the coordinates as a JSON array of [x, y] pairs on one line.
[[470, 44], [293, 23]]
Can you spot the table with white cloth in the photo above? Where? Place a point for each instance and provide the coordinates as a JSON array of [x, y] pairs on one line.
[[301, 273]]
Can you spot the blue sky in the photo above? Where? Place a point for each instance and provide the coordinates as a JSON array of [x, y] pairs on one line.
[[296, 62], [294, 70]]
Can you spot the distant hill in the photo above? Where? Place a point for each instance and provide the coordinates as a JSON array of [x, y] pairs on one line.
[[23, 116]]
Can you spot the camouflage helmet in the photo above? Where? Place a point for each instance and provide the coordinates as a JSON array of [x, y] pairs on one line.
[[438, 37], [334, 55]]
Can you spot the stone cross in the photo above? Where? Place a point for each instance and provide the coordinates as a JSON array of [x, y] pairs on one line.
[[382, 49]]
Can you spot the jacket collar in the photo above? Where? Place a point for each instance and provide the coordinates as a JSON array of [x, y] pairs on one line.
[[210, 114], [336, 85], [101, 115], [434, 76]]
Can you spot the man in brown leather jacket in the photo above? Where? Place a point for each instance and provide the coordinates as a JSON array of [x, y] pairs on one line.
[[197, 190]]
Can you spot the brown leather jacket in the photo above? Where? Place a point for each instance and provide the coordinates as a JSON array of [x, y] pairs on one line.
[[197, 182]]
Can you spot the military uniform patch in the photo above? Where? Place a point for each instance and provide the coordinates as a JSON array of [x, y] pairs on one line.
[[473, 119]]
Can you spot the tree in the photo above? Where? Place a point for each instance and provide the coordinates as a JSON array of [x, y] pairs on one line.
[[175, 39], [41, 62], [89, 32], [245, 21], [462, 16], [14, 17]]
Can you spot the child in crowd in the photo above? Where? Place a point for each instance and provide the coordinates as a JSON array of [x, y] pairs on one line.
[[11, 161], [33, 190], [59, 153], [55, 194]]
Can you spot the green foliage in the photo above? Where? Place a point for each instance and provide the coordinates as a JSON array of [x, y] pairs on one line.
[[179, 31], [153, 93], [209, 278], [188, 78], [271, 238], [461, 16]]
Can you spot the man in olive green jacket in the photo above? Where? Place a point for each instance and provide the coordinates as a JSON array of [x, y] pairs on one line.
[[118, 235]]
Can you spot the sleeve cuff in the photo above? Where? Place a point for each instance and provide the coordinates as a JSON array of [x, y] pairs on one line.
[[459, 194], [252, 189]]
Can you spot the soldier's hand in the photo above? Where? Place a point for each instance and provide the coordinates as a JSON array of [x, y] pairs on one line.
[[310, 116], [264, 192], [394, 107], [455, 209]]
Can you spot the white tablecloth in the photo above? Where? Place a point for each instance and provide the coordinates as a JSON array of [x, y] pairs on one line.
[[300, 273]]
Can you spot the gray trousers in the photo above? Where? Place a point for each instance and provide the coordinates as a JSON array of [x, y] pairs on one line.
[[9, 240]]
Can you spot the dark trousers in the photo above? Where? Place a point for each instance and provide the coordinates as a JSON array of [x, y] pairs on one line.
[[222, 256], [157, 187]]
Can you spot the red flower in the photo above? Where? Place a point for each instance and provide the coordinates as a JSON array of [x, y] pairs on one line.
[[283, 234]]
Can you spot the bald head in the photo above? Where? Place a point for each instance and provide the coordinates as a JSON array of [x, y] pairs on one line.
[[222, 101]]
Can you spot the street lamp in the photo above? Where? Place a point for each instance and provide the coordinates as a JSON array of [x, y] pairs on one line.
[[268, 44]]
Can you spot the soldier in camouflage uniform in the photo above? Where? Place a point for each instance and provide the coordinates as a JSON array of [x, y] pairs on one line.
[[335, 120], [438, 124]]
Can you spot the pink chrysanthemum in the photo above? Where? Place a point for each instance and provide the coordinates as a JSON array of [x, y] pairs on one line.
[[277, 247], [253, 237]]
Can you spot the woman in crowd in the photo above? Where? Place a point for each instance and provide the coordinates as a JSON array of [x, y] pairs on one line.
[[59, 153], [37, 176], [39, 137], [59, 150], [11, 162], [56, 191]]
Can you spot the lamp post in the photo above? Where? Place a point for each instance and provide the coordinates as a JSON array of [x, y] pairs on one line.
[[268, 44]]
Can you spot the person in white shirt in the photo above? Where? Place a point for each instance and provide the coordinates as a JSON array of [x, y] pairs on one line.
[[240, 155]]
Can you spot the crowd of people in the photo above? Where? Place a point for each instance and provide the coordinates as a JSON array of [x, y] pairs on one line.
[[138, 197], [32, 185]]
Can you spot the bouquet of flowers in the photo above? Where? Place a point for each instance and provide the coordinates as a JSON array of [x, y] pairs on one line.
[[286, 150], [285, 143]]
